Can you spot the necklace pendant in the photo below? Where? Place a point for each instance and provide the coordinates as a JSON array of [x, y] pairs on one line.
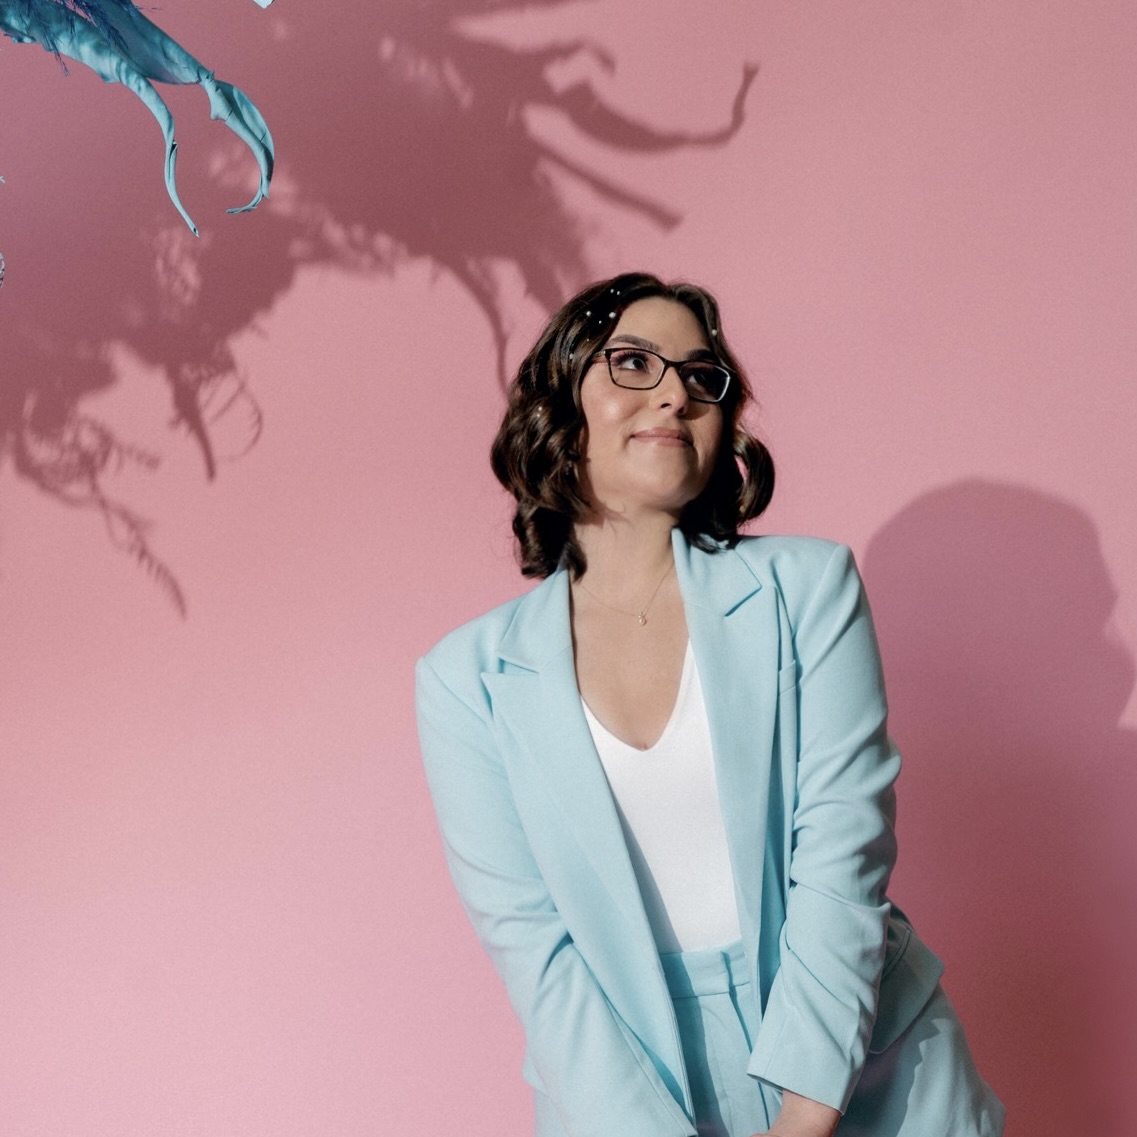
[[642, 617]]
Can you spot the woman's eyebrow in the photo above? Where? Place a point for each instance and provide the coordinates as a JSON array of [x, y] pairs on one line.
[[639, 341], [635, 341]]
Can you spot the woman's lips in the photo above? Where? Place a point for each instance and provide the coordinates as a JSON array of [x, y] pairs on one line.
[[663, 436]]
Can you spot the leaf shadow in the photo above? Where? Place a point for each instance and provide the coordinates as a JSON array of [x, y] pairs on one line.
[[401, 136]]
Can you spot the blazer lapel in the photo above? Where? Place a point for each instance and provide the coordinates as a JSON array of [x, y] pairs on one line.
[[536, 703], [557, 774], [732, 620]]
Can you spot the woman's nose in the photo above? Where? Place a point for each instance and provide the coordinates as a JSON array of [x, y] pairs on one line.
[[672, 391]]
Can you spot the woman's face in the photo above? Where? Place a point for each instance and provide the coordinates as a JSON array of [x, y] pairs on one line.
[[648, 450]]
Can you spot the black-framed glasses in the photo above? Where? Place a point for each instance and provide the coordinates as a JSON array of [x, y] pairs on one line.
[[641, 370]]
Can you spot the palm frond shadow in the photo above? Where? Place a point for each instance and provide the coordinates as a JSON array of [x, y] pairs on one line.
[[442, 165]]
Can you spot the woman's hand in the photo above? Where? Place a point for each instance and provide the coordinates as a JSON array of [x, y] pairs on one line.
[[803, 1117]]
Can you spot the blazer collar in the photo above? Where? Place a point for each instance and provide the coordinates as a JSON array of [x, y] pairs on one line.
[[540, 629], [719, 582]]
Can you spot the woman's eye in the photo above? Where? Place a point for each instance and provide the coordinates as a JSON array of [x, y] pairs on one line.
[[630, 361]]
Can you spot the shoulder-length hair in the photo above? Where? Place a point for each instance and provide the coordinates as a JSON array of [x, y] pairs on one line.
[[536, 452]]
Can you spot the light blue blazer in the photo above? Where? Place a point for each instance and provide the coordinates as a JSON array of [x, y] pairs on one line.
[[788, 661]]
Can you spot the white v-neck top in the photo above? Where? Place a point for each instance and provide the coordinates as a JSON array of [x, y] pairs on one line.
[[668, 802]]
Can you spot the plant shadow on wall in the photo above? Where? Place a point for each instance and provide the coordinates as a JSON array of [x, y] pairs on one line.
[[401, 136], [1006, 686]]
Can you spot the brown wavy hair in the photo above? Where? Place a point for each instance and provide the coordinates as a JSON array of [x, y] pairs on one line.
[[535, 453]]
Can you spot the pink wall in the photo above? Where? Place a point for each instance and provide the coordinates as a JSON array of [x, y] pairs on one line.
[[224, 909]]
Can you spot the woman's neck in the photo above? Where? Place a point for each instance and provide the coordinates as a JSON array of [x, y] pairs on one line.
[[625, 555]]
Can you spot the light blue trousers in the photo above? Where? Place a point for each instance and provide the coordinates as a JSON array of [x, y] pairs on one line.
[[714, 1007], [924, 1085]]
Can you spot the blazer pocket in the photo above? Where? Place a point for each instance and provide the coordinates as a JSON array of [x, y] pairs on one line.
[[910, 976]]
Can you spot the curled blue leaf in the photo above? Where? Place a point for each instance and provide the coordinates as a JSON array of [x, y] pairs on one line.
[[116, 41]]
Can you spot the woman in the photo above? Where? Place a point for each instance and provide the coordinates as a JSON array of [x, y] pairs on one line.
[[662, 777]]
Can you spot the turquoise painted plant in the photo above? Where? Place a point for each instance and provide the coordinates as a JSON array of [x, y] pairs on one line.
[[116, 41]]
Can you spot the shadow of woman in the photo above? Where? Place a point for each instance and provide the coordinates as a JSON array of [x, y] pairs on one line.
[[1006, 684]]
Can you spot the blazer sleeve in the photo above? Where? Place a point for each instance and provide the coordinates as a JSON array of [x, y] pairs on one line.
[[815, 1031], [596, 1074]]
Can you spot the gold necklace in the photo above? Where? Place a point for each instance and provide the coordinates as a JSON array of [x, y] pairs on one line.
[[641, 615]]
